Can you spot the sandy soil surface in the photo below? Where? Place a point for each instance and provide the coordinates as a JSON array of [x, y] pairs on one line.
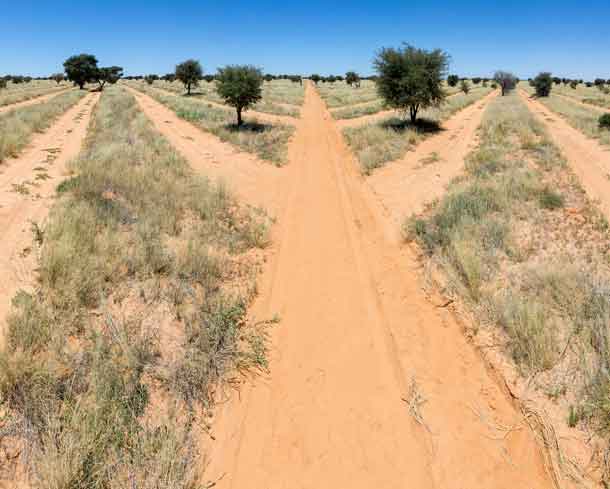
[[404, 186], [48, 153], [372, 383], [32, 101], [589, 159]]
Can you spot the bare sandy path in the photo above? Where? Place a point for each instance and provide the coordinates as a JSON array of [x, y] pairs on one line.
[[404, 186], [33, 101], [338, 408], [254, 181], [51, 150], [589, 159]]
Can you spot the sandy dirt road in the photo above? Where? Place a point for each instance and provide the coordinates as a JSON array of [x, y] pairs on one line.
[[371, 383], [404, 186], [47, 154], [32, 101], [589, 159]]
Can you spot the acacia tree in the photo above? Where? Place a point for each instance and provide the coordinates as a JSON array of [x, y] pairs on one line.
[[543, 84], [352, 78], [573, 84], [410, 78], [189, 72], [315, 78], [58, 77], [476, 80], [464, 87], [506, 81], [110, 74], [241, 86], [81, 69]]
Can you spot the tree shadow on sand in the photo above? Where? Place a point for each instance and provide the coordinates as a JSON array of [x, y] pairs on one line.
[[400, 125], [254, 127]]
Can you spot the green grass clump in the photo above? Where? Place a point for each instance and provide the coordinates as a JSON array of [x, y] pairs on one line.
[[604, 122], [19, 125], [142, 290]]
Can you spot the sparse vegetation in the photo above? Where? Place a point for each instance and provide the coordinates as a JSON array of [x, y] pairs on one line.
[[135, 300], [490, 237]]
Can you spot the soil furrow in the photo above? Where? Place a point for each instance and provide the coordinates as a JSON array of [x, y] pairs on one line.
[[27, 189]]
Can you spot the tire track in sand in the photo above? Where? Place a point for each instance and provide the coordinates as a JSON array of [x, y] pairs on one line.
[[50, 150], [338, 408], [587, 157]]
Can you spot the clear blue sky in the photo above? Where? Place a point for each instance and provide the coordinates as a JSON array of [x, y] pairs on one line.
[[569, 38]]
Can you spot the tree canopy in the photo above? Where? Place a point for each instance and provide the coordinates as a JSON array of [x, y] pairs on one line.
[[81, 69], [189, 72], [506, 81], [543, 84], [110, 74], [352, 78], [410, 78], [240, 86]]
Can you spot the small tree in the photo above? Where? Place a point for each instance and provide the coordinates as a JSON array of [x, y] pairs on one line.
[[81, 69], [476, 80], [240, 86], [209, 78], [464, 87], [189, 72], [58, 77], [3, 83], [352, 78], [269, 77], [410, 78], [573, 84], [315, 78], [110, 74], [452, 80], [150, 79], [543, 84], [506, 81]]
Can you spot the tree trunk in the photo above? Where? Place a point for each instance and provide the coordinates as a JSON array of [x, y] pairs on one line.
[[188, 88], [239, 119], [413, 111]]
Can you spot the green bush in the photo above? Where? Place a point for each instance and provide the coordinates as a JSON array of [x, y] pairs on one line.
[[452, 80], [550, 199], [604, 121], [543, 84]]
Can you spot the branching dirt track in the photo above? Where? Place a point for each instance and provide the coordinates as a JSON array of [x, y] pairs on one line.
[[32, 101], [372, 384], [51, 151], [404, 186], [589, 159]]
